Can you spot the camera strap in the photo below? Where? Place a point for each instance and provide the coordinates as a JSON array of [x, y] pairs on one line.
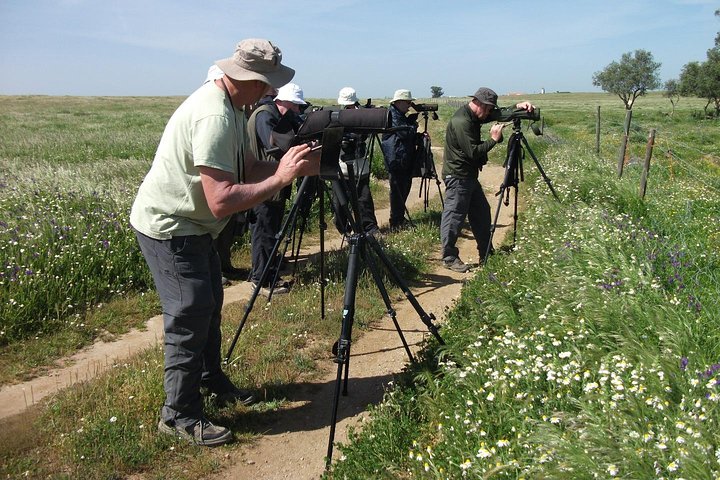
[[240, 145]]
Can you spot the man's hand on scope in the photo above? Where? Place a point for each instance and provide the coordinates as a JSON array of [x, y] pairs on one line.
[[299, 161], [525, 106], [496, 132]]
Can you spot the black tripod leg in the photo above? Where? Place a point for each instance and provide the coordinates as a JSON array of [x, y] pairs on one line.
[[343, 346], [393, 182], [425, 193], [370, 262], [513, 168], [425, 185], [515, 216], [304, 203], [275, 260], [266, 271], [298, 234], [493, 226], [322, 226], [295, 252], [540, 169], [410, 221], [438, 182], [397, 278]]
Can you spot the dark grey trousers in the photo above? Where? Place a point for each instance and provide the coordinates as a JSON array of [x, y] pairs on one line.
[[400, 185], [186, 271], [368, 221], [225, 240], [464, 197], [266, 224]]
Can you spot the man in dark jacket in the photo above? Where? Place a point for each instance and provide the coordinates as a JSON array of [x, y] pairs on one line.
[[465, 155], [266, 218], [355, 152], [399, 151]]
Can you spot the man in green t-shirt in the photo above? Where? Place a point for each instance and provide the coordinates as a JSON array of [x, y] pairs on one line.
[[203, 172]]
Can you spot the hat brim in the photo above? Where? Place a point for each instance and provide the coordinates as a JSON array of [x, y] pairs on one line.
[[296, 101], [483, 102], [277, 78]]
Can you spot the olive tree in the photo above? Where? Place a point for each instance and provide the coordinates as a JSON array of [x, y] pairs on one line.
[[631, 77], [672, 92], [703, 80]]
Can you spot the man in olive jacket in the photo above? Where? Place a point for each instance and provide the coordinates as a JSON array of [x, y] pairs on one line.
[[465, 155]]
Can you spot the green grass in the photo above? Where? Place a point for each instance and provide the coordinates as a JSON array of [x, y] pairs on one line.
[[70, 168]]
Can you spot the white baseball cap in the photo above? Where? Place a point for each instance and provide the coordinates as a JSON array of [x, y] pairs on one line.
[[291, 92], [347, 96]]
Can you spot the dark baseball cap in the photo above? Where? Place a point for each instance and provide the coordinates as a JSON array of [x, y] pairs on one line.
[[486, 96]]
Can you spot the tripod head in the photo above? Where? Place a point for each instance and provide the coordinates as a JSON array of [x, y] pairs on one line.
[[424, 109], [517, 146]]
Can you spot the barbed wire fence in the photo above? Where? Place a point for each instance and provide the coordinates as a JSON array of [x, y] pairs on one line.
[[669, 148]]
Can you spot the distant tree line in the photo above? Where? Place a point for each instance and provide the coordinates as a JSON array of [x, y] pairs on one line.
[[702, 79]]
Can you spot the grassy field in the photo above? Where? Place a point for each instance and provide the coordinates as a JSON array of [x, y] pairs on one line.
[[590, 350], [69, 168]]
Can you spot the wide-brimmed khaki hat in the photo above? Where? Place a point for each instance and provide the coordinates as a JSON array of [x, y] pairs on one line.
[[402, 95], [257, 59]]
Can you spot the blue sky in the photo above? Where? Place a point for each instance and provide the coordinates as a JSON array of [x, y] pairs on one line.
[[163, 47]]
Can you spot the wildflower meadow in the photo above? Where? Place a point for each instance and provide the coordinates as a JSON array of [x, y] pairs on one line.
[[70, 168]]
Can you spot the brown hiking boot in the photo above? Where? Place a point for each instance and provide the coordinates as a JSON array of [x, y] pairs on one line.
[[202, 433], [456, 265]]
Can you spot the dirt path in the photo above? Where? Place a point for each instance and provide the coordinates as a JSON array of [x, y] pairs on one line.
[[295, 443]]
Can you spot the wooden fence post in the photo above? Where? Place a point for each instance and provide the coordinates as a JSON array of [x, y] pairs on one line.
[[623, 145], [597, 132], [646, 166]]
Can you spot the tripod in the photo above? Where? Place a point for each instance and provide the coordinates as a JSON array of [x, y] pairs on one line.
[[309, 188], [427, 165], [514, 174], [359, 242]]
